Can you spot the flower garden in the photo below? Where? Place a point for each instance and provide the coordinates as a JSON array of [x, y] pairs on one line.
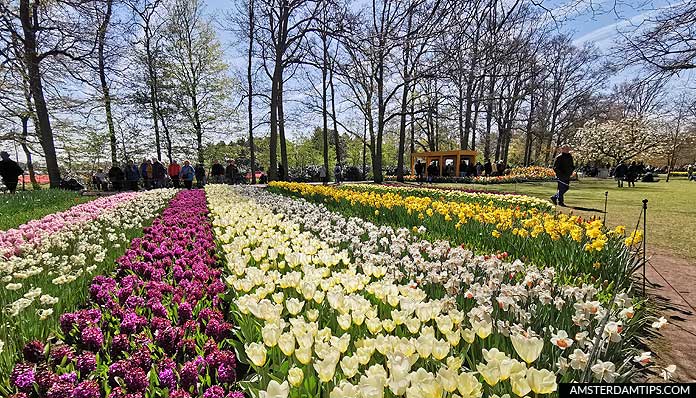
[[516, 174], [314, 291]]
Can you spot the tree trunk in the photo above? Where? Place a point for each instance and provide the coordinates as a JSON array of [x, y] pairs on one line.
[[273, 143], [106, 97], [250, 87], [27, 152], [32, 60], [324, 109], [337, 138], [281, 132], [154, 104]]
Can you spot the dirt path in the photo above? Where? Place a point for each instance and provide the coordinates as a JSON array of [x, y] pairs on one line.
[[672, 286]]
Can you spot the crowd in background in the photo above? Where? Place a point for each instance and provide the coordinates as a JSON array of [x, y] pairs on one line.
[[152, 174]]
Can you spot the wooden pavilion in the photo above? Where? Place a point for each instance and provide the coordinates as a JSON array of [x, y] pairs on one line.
[[449, 162]]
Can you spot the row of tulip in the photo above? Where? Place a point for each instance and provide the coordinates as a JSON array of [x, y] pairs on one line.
[[581, 250], [14, 242], [51, 272], [483, 197], [514, 175], [337, 306], [154, 329]]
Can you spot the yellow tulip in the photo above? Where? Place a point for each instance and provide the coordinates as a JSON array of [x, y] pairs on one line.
[[256, 352], [541, 381], [528, 348], [295, 376], [469, 386]]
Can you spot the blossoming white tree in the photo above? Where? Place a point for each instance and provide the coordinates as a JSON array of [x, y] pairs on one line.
[[617, 140]]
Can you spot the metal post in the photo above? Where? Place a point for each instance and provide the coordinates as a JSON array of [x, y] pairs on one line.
[[645, 231], [606, 198]]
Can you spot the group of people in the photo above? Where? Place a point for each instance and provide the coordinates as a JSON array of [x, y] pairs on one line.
[[153, 174], [628, 173], [467, 169]]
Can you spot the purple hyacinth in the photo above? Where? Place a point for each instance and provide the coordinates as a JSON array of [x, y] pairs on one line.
[[214, 392], [93, 338], [167, 378], [68, 377], [23, 377], [33, 351], [61, 352], [61, 389], [87, 389], [136, 380], [119, 344], [235, 394], [86, 363]]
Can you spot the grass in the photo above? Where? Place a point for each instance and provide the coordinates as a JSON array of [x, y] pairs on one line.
[[24, 206], [671, 207]]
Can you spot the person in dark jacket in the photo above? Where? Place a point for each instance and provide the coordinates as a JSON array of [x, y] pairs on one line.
[[563, 166], [487, 168], [217, 173], [116, 177], [186, 174], [632, 174], [419, 169], [146, 173], [159, 174], [132, 175], [9, 171], [231, 172], [200, 175], [433, 171], [620, 173]]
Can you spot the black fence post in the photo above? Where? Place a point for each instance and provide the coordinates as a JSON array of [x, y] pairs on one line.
[[645, 236], [606, 198]]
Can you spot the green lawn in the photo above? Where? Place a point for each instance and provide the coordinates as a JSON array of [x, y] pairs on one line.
[[24, 206], [671, 206]]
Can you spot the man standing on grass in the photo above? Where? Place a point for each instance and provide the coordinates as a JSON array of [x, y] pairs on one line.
[[9, 171], [563, 166]]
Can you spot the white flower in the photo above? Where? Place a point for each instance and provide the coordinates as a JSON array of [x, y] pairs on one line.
[[644, 358], [668, 372], [276, 390], [604, 371], [578, 359], [659, 323], [2, 346], [561, 340]]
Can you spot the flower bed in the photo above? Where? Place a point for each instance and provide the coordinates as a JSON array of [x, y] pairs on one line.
[[582, 251], [59, 254], [326, 303], [516, 174], [499, 199], [156, 328]]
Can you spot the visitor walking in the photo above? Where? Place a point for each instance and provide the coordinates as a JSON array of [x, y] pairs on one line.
[[322, 174], [173, 170], [116, 177], [231, 172], [419, 168], [487, 168], [620, 173], [186, 174], [690, 172], [159, 174], [563, 166], [200, 175], [217, 173], [100, 181], [338, 173], [433, 171], [479, 169], [132, 175], [146, 173], [9, 171], [632, 174]]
